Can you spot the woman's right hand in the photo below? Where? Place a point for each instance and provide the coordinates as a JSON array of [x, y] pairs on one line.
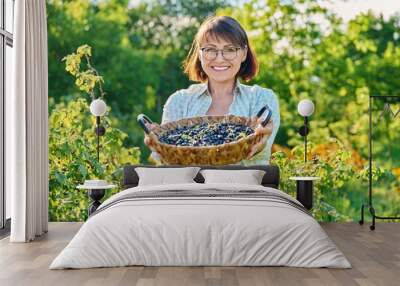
[[154, 155], [147, 140]]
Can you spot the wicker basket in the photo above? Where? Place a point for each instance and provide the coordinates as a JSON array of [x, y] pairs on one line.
[[223, 154]]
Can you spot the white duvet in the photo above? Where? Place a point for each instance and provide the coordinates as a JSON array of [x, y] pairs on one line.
[[200, 231]]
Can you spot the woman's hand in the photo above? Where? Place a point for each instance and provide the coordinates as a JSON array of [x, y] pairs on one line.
[[267, 129], [147, 140], [154, 155]]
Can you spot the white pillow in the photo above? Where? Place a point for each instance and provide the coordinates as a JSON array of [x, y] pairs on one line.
[[250, 177], [164, 176]]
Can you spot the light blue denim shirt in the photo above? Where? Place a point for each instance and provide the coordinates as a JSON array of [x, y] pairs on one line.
[[247, 101]]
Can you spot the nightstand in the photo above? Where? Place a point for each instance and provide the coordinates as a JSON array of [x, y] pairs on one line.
[[96, 193], [304, 190]]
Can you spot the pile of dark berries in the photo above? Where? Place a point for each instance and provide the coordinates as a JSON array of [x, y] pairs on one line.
[[205, 134]]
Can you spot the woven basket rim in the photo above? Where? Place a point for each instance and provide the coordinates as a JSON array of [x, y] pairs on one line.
[[217, 117], [247, 137]]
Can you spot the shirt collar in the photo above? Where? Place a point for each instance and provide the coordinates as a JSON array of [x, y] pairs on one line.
[[204, 89]]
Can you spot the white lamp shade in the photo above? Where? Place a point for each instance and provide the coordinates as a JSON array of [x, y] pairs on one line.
[[98, 107], [305, 107]]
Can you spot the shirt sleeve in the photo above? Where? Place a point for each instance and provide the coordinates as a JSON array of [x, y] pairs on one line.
[[273, 103], [173, 108], [267, 97]]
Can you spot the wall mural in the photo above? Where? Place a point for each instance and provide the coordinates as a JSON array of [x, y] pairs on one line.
[[154, 58]]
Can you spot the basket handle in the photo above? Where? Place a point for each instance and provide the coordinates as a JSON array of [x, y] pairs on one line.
[[264, 109], [142, 119]]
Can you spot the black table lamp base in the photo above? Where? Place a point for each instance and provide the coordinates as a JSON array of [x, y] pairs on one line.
[[304, 193], [96, 195]]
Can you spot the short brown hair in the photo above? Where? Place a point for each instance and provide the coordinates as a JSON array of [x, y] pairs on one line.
[[228, 29]]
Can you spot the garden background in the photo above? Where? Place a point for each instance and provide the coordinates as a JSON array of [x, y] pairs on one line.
[[304, 50]]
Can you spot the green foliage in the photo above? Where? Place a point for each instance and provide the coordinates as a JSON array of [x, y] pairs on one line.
[[339, 172], [295, 166], [334, 170], [87, 80], [72, 157]]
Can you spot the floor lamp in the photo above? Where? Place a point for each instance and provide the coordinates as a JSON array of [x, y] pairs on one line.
[[98, 108], [305, 109]]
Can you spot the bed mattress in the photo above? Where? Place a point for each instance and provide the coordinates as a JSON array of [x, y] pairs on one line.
[[201, 225]]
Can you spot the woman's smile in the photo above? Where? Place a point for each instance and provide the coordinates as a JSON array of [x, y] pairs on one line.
[[220, 68]]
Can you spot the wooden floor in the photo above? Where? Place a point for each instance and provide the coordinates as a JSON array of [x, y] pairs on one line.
[[374, 255]]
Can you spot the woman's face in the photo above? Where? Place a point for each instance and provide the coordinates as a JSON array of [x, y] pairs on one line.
[[218, 67]]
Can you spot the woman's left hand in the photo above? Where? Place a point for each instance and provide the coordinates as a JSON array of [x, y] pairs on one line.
[[267, 129]]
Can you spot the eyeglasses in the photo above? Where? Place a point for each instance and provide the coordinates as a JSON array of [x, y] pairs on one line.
[[227, 53]]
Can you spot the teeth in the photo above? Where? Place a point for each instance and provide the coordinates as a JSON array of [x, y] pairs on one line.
[[220, 68]]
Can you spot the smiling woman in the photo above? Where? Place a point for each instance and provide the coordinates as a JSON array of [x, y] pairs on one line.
[[219, 56]]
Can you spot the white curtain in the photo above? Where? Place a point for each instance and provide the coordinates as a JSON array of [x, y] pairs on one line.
[[27, 124]]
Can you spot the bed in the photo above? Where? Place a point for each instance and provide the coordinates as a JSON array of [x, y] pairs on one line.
[[201, 224]]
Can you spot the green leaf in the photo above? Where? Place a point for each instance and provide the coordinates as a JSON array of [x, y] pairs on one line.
[[82, 170]]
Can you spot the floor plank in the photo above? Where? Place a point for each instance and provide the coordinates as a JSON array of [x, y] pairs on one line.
[[374, 255]]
